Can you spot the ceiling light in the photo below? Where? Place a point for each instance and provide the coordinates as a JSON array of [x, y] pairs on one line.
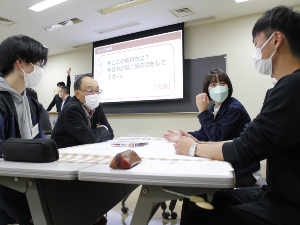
[[118, 27], [45, 4], [6, 22], [122, 5], [62, 24], [182, 12], [238, 1]]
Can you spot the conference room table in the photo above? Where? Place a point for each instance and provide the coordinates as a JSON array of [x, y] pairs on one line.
[[87, 168]]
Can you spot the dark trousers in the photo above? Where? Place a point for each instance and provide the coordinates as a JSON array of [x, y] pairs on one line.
[[13, 207], [242, 206], [245, 181]]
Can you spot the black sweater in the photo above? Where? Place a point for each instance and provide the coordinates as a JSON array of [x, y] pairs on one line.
[[72, 127], [274, 135]]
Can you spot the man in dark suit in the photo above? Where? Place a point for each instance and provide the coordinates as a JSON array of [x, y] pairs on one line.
[[64, 95], [82, 120], [57, 100]]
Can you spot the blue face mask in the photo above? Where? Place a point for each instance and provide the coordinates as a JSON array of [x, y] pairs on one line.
[[219, 93]]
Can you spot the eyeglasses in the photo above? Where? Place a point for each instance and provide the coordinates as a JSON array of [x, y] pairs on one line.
[[92, 92], [40, 63]]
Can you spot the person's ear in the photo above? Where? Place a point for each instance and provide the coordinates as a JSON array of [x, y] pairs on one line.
[[76, 92], [278, 39], [19, 62]]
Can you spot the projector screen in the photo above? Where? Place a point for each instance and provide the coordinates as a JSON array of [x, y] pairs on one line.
[[140, 69]]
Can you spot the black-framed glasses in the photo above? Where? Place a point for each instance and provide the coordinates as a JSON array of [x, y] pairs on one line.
[[42, 63], [92, 92]]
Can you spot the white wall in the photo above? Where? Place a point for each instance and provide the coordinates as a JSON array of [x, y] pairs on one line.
[[232, 37], [56, 68]]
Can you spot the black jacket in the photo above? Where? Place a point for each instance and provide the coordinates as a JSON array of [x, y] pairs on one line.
[[57, 100], [44, 118], [274, 135], [59, 106], [72, 128], [9, 126]]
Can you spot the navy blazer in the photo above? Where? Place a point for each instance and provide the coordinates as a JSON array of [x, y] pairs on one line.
[[229, 123]]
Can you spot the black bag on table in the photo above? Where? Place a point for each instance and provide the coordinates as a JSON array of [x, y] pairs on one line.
[[29, 150]]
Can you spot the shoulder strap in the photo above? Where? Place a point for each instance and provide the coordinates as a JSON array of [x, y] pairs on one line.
[[37, 112], [11, 103]]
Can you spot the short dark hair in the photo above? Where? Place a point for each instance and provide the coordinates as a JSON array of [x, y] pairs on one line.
[[31, 93], [281, 19], [212, 77], [65, 89], [78, 81], [20, 47], [61, 84]]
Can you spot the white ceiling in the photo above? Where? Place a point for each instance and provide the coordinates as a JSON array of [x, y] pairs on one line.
[[149, 15]]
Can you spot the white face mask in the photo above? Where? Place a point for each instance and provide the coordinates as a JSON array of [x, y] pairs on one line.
[[58, 89], [263, 66], [274, 81], [91, 101], [59, 94], [32, 79]]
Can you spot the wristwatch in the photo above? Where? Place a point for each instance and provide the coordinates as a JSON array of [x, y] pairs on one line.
[[192, 150]]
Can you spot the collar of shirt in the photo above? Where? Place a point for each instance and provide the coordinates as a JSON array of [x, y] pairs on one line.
[[64, 99], [88, 115]]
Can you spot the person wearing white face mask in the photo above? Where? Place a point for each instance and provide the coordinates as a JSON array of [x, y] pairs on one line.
[[273, 135], [224, 120], [21, 62], [56, 99], [64, 94], [82, 120]]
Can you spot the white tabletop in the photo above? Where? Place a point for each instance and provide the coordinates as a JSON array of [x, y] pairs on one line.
[[103, 173], [54, 170], [160, 166], [161, 150]]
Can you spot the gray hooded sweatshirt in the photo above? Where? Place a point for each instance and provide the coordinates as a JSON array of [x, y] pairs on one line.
[[22, 107]]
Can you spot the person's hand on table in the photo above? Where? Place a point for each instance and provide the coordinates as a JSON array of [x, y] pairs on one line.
[[172, 136], [183, 133], [182, 145], [202, 102]]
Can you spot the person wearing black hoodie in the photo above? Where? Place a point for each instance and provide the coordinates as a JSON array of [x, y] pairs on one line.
[[21, 62]]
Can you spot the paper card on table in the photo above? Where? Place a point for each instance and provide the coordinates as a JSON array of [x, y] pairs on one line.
[[131, 144]]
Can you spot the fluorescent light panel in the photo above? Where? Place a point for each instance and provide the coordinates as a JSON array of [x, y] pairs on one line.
[[118, 27], [62, 24], [238, 1], [45, 5], [122, 5], [6, 22]]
